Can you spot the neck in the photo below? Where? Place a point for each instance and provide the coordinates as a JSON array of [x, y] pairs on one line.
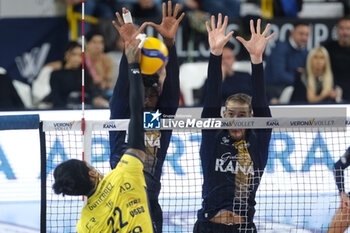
[[344, 43]]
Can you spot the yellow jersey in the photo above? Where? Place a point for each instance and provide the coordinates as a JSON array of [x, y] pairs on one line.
[[120, 203]]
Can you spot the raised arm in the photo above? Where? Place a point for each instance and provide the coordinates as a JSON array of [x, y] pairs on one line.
[[255, 47], [136, 90], [119, 103], [338, 171], [217, 39], [169, 99]]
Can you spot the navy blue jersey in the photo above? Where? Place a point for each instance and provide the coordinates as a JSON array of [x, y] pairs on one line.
[[339, 167], [232, 169], [156, 142]]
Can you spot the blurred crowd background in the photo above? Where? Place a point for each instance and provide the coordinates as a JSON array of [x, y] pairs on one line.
[[307, 62]]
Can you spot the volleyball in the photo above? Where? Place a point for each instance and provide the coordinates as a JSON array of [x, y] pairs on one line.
[[154, 54]]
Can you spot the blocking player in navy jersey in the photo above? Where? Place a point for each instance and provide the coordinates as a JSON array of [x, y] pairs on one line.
[[233, 160], [165, 101], [117, 202], [341, 219]]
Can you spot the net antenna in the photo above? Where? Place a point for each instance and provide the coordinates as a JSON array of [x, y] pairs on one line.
[[85, 141]]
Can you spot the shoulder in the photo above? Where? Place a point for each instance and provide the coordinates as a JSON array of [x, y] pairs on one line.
[[281, 47], [55, 65], [330, 44], [129, 163]]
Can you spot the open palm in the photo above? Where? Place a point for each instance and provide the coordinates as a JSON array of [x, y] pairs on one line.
[[169, 24], [257, 43], [217, 34], [127, 31]]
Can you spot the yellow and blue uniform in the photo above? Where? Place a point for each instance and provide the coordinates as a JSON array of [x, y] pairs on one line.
[[120, 202]]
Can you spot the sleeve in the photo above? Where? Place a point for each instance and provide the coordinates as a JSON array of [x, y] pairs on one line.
[[338, 170], [259, 99], [261, 109], [169, 99], [130, 164], [212, 99], [136, 132], [119, 108], [119, 103]]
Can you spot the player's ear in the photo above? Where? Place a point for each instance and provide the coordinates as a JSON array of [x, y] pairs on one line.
[[224, 113], [93, 174]]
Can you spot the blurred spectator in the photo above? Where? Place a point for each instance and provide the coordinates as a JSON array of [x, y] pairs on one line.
[[9, 98], [146, 10], [231, 8], [99, 65], [316, 84], [339, 52], [116, 56], [187, 4], [41, 88], [287, 8], [287, 58], [65, 82], [233, 82]]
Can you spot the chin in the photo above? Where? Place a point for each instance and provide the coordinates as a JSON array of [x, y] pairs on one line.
[[237, 134]]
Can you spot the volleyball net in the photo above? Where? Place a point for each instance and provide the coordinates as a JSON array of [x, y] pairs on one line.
[[297, 192]]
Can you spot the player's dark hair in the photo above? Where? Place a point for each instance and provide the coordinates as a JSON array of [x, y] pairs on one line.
[[241, 99], [72, 45], [300, 23], [69, 47], [151, 82], [72, 178], [93, 33]]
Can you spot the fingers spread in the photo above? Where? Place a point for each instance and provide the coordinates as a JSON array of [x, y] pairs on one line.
[[219, 20], [176, 10], [164, 9], [252, 29], [143, 26], [266, 29], [207, 25], [115, 25], [240, 39], [225, 22], [270, 36], [169, 9], [181, 17], [120, 20], [258, 26], [212, 22]]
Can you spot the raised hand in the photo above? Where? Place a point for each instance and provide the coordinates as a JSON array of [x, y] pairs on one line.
[[127, 31], [169, 24], [217, 34], [257, 43]]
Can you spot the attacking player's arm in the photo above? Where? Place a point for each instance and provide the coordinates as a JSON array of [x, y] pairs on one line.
[[136, 91], [119, 104], [136, 143], [169, 99], [338, 171], [217, 39]]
